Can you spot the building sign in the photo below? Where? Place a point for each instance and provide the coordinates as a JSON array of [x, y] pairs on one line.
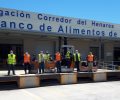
[[39, 22]]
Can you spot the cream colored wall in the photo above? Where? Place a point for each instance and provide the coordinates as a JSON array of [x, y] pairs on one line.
[[29, 45], [34, 46], [10, 41], [108, 51], [83, 46]]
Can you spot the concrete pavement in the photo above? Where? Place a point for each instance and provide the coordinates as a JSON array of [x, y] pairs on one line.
[[86, 91], [17, 72]]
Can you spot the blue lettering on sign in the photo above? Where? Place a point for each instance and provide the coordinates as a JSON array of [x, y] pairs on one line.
[[54, 19], [82, 22], [49, 28], [39, 16], [29, 26], [60, 29], [3, 24], [112, 34], [14, 25], [103, 33], [21, 25], [82, 31], [76, 31], [16, 13], [97, 32], [99, 24], [89, 32], [44, 28]]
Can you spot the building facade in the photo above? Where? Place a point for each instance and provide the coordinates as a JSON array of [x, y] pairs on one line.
[[26, 31]]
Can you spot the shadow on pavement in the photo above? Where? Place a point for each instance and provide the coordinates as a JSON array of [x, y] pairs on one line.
[[8, 86]]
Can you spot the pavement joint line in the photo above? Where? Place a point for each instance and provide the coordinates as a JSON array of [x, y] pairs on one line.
[[32, 95]]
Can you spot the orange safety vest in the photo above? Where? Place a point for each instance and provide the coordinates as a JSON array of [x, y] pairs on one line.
[[90, 58], [57, 56], [26, 58]]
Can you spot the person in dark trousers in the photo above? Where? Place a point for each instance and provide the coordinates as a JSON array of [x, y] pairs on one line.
[[68, 59], [34, 57], [11, 62], [77, 59], [27, 65], [34, 64], [58, 61], [41, 60], [47, 56]]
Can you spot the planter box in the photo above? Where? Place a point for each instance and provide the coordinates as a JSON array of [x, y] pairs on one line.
[[68, 78], [99, 76], [26, 81]]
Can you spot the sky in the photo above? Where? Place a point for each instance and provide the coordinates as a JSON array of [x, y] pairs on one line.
[[99, 10]]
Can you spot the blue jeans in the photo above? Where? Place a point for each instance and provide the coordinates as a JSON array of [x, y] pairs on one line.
[[58, 65], [41, 67]]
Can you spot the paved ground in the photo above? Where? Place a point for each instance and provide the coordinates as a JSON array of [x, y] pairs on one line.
[[86, 91], [17, 72]]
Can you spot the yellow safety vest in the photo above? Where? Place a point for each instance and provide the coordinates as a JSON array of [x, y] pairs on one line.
[[40, 58], [68, 55], [47, 57], [78, 56], [11, 59]]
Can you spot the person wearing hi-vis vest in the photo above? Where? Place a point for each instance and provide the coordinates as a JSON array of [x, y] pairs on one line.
[[11, 61], [90, 60], [68, 56], [41, 60], [58, 61], [27, 65], [77, 59], [47, 56]]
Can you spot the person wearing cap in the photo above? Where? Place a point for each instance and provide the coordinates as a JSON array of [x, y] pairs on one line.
[[11, 61], [77, 59], [27, 65], [90, 60], [41, 60]]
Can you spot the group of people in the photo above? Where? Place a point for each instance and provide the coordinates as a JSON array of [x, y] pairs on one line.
[[27, 61], [44, 57], [73, 58]]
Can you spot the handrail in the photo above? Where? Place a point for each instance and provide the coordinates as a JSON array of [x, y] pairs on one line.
[[112, 65]]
